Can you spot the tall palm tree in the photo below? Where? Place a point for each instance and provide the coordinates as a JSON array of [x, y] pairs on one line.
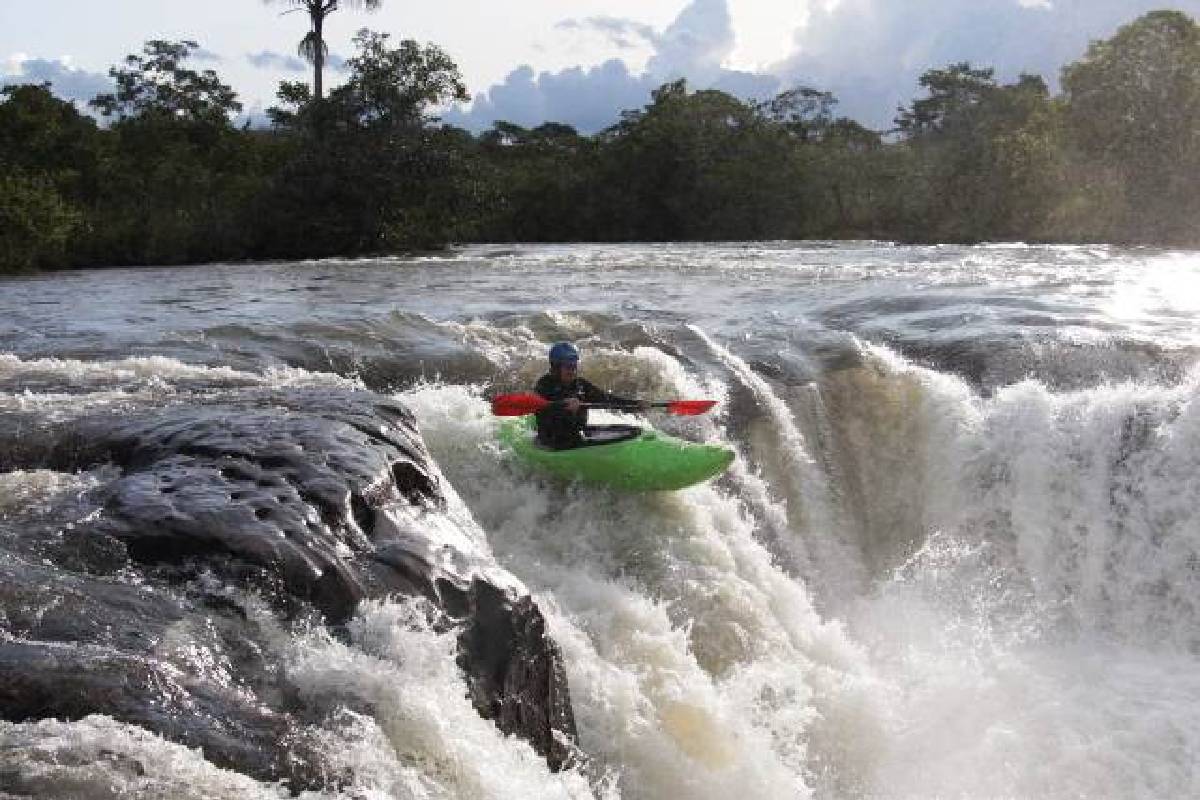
[[312, 47]]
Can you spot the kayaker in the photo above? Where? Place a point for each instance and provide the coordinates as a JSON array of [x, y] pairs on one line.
[[561, 425]]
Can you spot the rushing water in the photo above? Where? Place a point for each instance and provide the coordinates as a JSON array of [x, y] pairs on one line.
[[958, 555]]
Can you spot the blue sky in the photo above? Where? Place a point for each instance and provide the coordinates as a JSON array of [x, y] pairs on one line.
[[582, 61]]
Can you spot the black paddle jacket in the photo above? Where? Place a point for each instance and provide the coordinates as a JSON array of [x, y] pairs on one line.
[[558, 428]]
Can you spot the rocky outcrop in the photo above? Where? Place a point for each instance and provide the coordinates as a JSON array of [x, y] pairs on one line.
[[312, 500]]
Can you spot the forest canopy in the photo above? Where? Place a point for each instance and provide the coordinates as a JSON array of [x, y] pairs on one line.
[[166, 177]]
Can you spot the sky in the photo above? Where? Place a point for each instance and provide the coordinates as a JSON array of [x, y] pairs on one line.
[[582, 61]]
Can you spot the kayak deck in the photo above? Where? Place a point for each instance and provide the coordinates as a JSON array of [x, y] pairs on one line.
[[648, 462]]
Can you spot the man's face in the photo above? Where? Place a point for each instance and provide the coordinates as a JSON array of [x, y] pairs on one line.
[[567, 370]]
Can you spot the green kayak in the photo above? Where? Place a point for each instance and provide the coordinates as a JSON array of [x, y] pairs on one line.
[[638, 460]]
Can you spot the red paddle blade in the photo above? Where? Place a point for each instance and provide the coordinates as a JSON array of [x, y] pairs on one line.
[[689, 408], [518, 405]]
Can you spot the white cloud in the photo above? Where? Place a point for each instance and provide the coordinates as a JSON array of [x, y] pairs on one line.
[[203, 54], [68, 83], [871, 52], [12, 66], [589, 99], [624, 33], [764, 32], [267, 59], [336, 63], [696, 46], [282, 62]]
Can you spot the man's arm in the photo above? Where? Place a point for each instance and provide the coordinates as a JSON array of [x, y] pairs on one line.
[[550, 389]]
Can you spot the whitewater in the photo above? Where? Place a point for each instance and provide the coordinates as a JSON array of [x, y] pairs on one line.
[[958, 555]]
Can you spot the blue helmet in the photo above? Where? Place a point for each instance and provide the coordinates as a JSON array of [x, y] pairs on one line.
[[564, 353]]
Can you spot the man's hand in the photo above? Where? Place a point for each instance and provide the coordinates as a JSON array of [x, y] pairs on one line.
[[571, 404]]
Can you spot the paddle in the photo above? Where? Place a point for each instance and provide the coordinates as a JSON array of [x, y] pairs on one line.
[[518, 405]]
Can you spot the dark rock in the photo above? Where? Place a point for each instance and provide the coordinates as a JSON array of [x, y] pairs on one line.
[[81, 645], [310, 499], [515, 671], [42, 680]]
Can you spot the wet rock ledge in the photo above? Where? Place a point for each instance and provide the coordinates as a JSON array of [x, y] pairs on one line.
[[312, 500]]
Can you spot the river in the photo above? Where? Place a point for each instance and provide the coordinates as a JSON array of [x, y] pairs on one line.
[[958, 554]]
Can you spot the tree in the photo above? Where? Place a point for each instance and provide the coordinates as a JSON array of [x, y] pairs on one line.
[[982, 157], [295, 109], [394, 87], [830, 192], [312, 47], [806, 113], [178, 175], [43, 135], [951, 92], [35, 223], [157, 83], [1133, 107], [378, 176], [541, 178], [701, 165]]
